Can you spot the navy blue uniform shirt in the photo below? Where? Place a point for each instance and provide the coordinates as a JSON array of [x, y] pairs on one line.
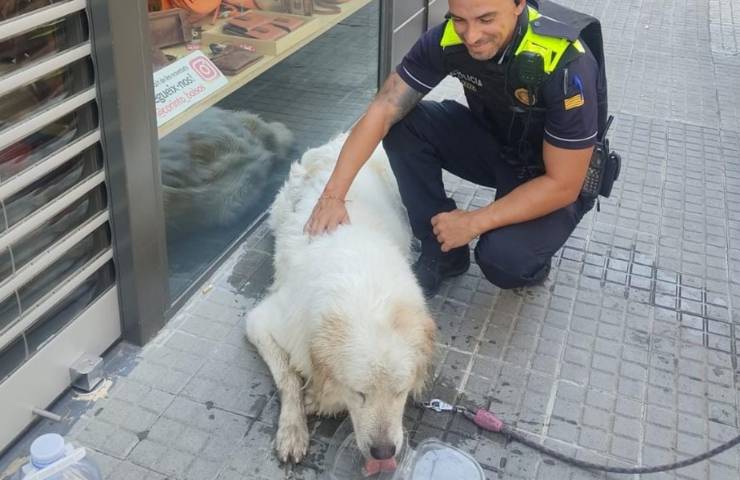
[[566, 126]]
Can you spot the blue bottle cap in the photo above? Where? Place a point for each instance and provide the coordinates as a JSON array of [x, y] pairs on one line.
[[47, 449]]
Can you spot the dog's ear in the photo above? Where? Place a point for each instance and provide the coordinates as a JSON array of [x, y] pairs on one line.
[[425, 344], [427, 355], [323, 353], [319, 372]]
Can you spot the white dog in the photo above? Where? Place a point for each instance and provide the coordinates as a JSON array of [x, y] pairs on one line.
[[345, 326]]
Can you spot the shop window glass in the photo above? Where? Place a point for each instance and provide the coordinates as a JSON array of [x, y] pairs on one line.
[[225, 154]]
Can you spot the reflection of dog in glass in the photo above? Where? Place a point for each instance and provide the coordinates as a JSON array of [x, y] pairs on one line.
[[216, 166]]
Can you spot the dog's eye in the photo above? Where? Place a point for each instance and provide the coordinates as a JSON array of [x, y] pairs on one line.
[[361, 395]]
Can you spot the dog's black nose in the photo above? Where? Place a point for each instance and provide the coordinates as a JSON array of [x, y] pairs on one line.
[[383, 452]]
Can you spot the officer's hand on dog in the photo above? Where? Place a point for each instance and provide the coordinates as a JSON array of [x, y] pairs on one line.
[[454, 229], [327, 215]]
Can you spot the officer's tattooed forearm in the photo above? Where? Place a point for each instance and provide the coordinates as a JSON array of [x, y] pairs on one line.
[[400, 96]]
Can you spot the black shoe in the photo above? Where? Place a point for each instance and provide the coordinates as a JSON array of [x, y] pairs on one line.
[[432, 270]]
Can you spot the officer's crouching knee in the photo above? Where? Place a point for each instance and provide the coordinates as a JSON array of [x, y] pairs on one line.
[[509, 266], [394, 138], [407, 133], [400, 136]]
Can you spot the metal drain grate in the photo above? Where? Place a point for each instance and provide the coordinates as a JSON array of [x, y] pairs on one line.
[[622, 263]]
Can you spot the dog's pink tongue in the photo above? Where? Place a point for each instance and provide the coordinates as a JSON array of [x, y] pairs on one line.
[[374, 467]]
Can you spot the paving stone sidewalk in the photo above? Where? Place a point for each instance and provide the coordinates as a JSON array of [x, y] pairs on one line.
[[628, 354]]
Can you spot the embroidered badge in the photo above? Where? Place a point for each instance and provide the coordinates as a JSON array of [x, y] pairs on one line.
[[573, 102], [523, 96]]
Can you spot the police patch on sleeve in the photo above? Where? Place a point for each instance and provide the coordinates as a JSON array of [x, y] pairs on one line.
[[574, 102]]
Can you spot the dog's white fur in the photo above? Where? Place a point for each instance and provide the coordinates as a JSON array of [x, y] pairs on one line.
[[344, 325]]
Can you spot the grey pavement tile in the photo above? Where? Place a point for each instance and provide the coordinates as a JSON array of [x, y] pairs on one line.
[[174, 463], [189, 343], [229, 313], [130, 471], [183, 362], [247, 398], [107, 438], [141, 395], [207, 417], [206, 325], [202, 469], [253, 457], [190, 442], [124, 415], [107, 464]]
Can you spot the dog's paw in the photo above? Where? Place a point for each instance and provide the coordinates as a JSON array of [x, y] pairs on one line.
[[291, 442]]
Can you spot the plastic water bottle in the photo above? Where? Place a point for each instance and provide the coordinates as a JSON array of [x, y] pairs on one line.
[[54, 459]]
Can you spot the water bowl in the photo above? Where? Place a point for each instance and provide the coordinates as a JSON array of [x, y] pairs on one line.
[[432, 459]]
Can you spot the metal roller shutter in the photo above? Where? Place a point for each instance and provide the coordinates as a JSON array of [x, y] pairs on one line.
[[58, 296]]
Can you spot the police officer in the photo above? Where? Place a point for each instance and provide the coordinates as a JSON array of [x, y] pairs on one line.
[[533, 91]]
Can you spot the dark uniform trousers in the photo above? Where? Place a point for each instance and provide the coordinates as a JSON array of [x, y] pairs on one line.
[[436, 136]]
